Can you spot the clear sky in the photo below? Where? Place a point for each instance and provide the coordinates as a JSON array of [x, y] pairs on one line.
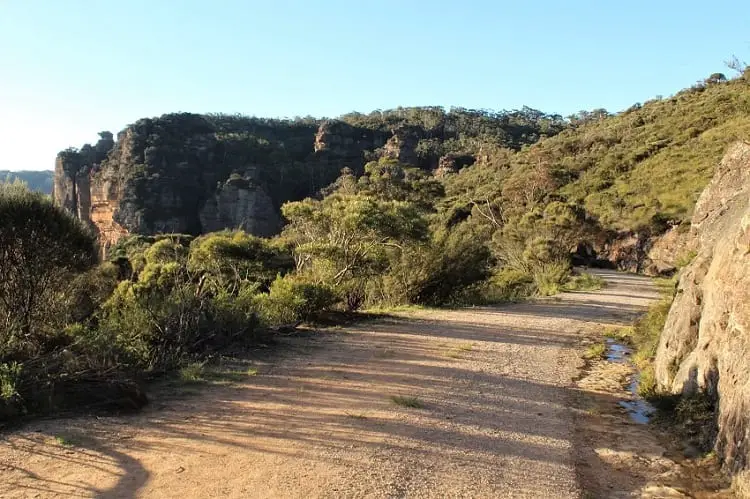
[[71, 68]]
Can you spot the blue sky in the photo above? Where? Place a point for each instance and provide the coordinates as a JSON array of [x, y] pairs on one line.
[[71, 68]]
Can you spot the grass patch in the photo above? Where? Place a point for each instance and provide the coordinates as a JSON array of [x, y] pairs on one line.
[[407, 401], [230, 374], [666, 285], [621, 334], [584, 282], [193, 372], [65, 441], [647, 330], [644, 336], [386, 309], [595, 351], [359, 416]]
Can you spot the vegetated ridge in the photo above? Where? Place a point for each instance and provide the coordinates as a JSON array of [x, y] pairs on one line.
[[41, 181]]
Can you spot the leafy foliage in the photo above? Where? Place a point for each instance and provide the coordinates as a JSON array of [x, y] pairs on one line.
[[40, 249], [530, 189], [628, 171]]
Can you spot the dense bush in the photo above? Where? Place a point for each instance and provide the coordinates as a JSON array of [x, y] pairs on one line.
[[378, 240], [646, 164], [41, 249], [291, 299], [77, 334]]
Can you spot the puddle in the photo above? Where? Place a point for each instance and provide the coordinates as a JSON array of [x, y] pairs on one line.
[[617, 352], [639, 410]]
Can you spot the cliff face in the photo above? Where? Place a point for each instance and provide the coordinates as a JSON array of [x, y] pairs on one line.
[[187, 173], [705, 345], [71, 187]]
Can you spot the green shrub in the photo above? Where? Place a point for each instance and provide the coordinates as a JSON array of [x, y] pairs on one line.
[[156, 321], [444, 270], [234, 317], [192, 372], [550, 277], [584, 282], [9, 374], [229, 258], [508, 284], [291, 299], [41, 248]]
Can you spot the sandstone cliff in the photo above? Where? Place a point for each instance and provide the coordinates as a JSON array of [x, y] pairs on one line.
[[194, 173], [187, 173], [705, 345]]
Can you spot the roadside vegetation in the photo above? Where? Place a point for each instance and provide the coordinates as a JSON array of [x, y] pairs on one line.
[[76, 332]]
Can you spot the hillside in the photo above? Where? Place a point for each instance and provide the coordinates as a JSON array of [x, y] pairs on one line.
[[621, 177], [634, 171], [36, 180]]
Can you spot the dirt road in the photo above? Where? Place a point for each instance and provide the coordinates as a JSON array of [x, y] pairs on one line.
[[493, 386]]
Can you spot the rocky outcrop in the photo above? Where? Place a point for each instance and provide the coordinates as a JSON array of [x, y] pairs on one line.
[[669, 251], [342, 140], [71, 187], [241, 203], [637, 252], [705, 345], [402, 146], [187, 173]]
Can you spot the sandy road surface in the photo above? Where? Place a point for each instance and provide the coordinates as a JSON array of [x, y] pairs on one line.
[[496, 421]]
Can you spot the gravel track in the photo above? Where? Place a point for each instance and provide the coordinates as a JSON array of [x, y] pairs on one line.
[[494, 385]]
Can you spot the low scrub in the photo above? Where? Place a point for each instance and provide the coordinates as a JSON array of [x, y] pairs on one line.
[[550, 278], [584, 281], [291, 299], [645, 338], [407, 401], [79, 335]]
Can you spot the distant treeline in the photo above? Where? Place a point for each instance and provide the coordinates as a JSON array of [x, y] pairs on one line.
[[40, 181]]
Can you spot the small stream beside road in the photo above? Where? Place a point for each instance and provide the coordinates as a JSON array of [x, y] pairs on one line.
[[640, 410]]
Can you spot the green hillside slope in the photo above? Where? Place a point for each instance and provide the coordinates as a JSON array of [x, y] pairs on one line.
[[635, 170]]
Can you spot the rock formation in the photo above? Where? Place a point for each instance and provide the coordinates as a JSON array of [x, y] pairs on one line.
[[71, 187], [187, 173], [705, 345]]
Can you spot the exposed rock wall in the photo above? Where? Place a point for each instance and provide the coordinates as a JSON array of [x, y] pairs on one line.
[[241, 203], [187, 173], [705, 345], [638, 252], [667, 251], [71, 189]]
